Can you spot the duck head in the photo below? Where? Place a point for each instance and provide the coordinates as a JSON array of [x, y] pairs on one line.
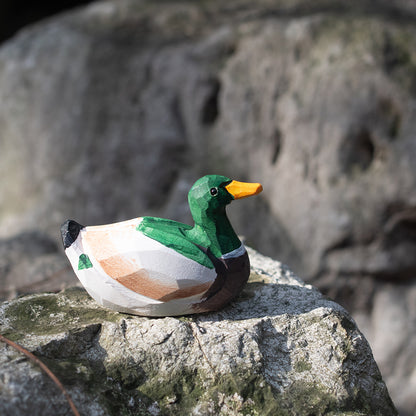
[[207, 199], [210, 194]]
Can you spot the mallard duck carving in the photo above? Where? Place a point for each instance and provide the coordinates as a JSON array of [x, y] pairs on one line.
[[158, 267]]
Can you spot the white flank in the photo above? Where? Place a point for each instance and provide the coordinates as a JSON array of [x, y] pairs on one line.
[[164, 266]]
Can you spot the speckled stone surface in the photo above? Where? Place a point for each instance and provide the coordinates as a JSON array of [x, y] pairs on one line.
[[280, 349]]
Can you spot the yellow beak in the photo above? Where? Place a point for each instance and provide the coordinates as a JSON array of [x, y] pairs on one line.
[[243, 189]]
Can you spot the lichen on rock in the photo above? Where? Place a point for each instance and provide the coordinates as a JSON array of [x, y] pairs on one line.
[[280, 349]]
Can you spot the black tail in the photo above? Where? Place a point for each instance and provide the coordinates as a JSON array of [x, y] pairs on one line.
[[70, 230]]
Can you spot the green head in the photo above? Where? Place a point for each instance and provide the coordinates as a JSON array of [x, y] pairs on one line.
[[209, 196]]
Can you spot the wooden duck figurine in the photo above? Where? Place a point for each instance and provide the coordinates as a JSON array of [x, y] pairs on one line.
[[156, 267]]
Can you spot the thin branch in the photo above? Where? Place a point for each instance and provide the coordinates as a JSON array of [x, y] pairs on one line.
[[36, 360]]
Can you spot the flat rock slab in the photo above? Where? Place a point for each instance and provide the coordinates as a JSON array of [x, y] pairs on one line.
[[280, 349]]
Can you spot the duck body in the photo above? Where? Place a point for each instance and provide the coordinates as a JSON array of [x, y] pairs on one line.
[[157, 267]]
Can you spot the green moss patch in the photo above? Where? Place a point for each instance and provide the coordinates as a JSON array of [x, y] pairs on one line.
[[301, 366], [92, 377], [53, 313], [236, 395], [186, 390]]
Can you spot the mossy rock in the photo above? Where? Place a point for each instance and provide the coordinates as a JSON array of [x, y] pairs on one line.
[[280, 349]]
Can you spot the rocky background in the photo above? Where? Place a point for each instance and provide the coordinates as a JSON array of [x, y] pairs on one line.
[[113, 110]]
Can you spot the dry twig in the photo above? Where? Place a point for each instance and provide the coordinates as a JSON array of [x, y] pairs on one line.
[[36, 360]]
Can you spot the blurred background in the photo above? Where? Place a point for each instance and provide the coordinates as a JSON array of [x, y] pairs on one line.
[[112, 109]]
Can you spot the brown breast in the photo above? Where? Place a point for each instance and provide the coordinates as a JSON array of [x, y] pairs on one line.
[[232, 275]]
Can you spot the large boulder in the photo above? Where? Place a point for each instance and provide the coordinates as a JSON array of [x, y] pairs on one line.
[[112, 111], [280, 349]]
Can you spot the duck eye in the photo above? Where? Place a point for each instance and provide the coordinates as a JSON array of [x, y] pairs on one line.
[[213, 191]]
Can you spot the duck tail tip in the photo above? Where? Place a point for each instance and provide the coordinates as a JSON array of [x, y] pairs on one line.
[[69, 231]]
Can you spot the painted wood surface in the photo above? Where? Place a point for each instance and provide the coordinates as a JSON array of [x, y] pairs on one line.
[[159, 267]]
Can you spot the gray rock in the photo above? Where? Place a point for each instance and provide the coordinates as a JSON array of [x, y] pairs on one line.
[[112, 111], [280, 349], [393, 319], [326, 124], [32, 262]]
